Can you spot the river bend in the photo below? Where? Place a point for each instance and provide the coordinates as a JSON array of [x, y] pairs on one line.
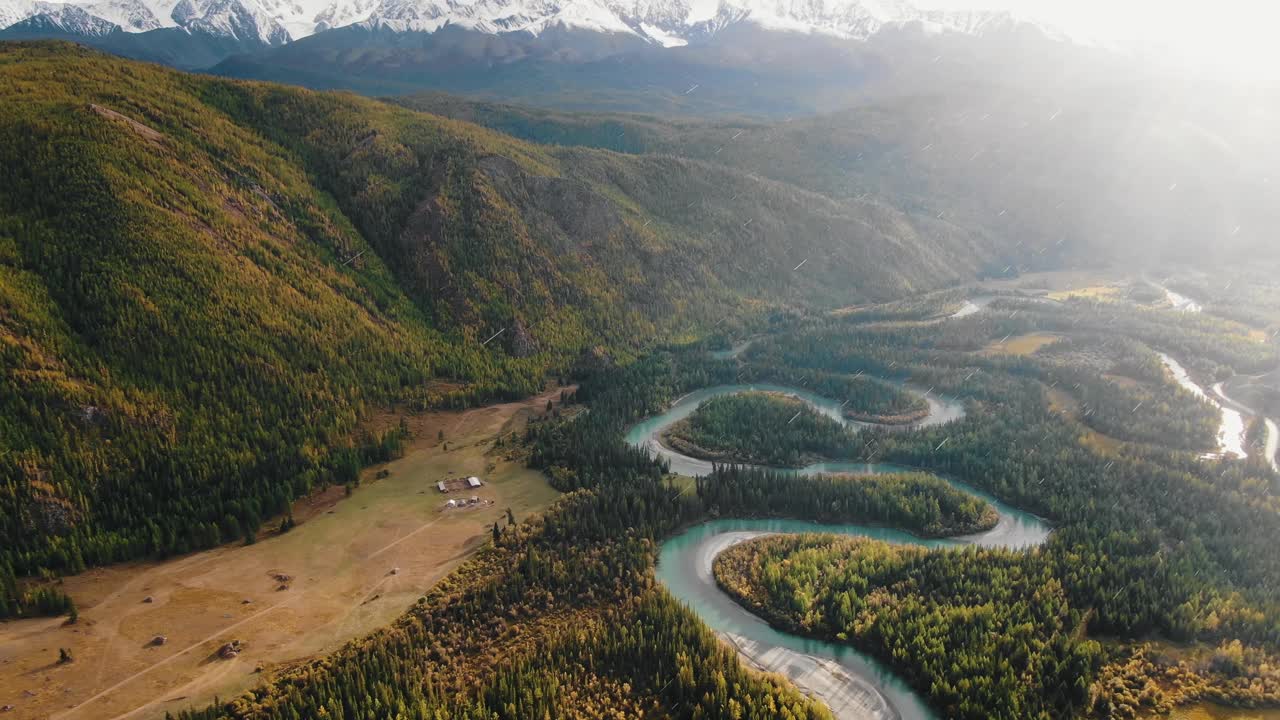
[[854, 685]]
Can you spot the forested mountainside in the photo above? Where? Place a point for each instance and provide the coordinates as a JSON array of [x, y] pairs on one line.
[[1116, 168], [207, 283]]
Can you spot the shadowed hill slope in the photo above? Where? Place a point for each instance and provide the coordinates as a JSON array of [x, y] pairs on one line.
[[1081, 169]]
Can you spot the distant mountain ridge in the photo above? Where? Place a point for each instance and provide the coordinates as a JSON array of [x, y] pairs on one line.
[[655, 23], [188, 34], [245, 20], [68, 19]]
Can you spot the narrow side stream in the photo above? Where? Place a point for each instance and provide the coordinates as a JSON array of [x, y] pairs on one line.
[[1231, 429]]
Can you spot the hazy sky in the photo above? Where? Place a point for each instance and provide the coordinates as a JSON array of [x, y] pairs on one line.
[[1231, 36]]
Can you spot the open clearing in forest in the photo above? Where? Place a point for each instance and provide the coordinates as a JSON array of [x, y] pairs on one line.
[[1089, 292], [1059, 283], [1063, 403], [1022, 344], [1209, 711], [353, 566]]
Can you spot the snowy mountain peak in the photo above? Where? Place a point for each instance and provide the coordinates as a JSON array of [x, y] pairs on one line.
[[496, 16], [239, 19], [245, 20], [658, 13], [15, 11], [667, 23], [130, 15], [674, 22], [335, 15], [59, 18]]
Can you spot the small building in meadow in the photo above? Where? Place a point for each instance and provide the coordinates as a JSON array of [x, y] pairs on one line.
[[459, 483]]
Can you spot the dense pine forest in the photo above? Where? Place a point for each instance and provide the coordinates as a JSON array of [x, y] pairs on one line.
[[917, 502], [990, 634]]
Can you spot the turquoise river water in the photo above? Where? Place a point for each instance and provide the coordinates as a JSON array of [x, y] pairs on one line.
[[852, 683]]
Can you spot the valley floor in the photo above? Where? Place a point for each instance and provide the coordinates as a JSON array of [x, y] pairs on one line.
[[1209, 711], [354, 565]]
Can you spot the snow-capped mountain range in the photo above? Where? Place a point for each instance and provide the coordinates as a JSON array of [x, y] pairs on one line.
[[255, 20], [666, 23]]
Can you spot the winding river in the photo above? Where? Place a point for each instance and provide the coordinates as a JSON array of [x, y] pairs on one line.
[[854, 685], [1272, 443], [1231, 432], [977, 303], [851, 683], [973, 306], [1231, 429], [1180, 302], [647, 433]]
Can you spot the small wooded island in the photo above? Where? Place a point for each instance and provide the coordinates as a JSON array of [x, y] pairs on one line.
[[761, 428], [921, 503]]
